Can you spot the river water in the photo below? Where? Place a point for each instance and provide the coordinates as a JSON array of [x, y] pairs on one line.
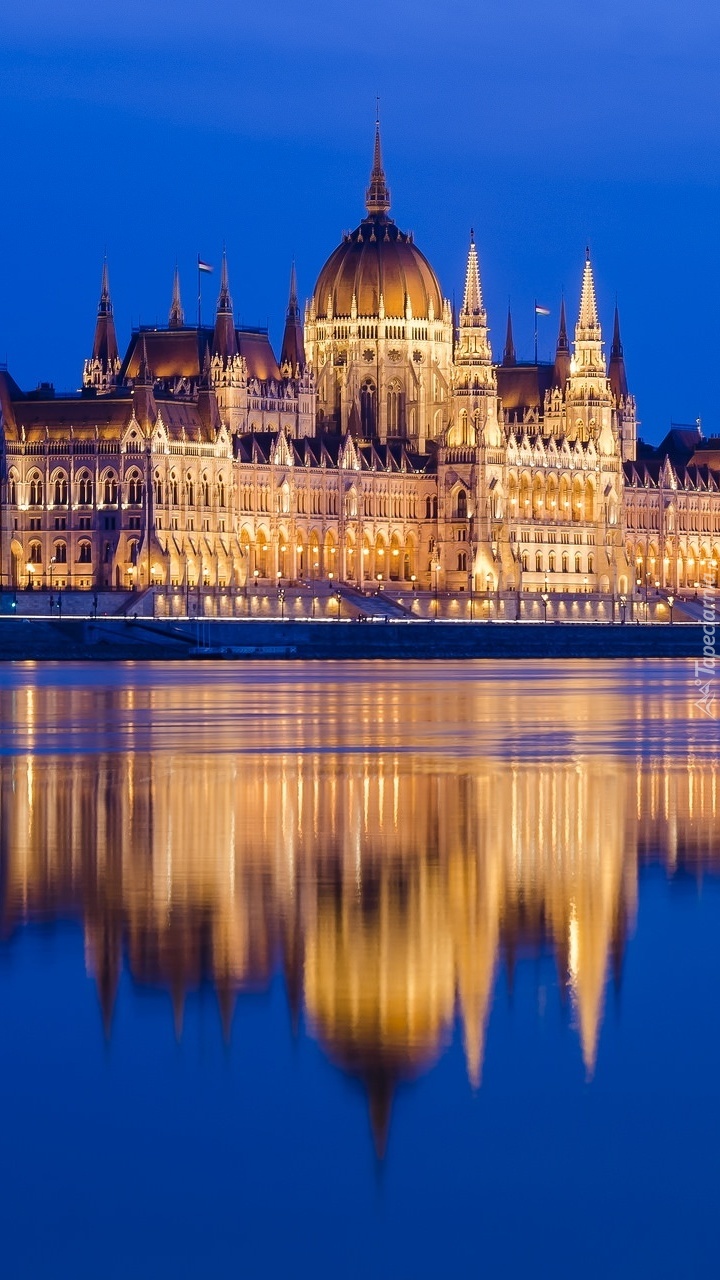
[[347, 970]]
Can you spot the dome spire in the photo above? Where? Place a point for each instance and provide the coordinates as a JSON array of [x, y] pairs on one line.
[[472, 298], [377, 196]]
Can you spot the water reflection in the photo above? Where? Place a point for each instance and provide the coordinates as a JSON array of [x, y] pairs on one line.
[[388, 884]]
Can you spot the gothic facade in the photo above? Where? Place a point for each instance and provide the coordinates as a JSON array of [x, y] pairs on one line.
[[386, 444]]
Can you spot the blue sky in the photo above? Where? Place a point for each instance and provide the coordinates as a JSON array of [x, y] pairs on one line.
[[160, 130]]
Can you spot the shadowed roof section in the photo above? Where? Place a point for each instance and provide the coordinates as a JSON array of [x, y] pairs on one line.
[[179, 353], [523, 386]]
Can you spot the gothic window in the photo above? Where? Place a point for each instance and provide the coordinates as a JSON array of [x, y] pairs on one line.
[[221, 492], [565, 562], [205, 493], [461, 505], [60, 551], [578, 563], [35, 553], [135, 489], [85, 489], [538, 561], [524, 561], [591, 564], [462, 561], [85, 553], [12, 490], [190, 490], [395, 409], [368, 407], [36, 490], [60, 491], [158, 491], [173, 490], [551, 562], [110, 491], [133, 552]]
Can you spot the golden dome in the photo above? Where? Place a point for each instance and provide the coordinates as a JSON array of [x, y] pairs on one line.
[[377, 259]]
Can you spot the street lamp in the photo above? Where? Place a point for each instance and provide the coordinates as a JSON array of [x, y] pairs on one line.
[[281, 598], [623, 606], [671, 602], [338, 597], [256, 575], [545, 598], [413, 579]]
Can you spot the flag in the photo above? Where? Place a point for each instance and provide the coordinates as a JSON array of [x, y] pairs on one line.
[[541, 311], [203, 266]]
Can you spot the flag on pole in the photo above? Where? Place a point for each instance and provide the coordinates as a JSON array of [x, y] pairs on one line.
[[203, 266], [541, 311]]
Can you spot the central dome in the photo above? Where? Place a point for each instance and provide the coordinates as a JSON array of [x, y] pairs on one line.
[[377, 260]]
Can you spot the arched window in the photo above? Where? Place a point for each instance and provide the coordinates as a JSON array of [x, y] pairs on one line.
[[538, 561], [190, 490], [368, 407], [462, 561], [110, 490], [551, 562], [578, 563], [205, 492], [524, 561], [221, 492], [395, 409], [36, 490], [173, 490], [135, 489], [461, 505], [85, 553], [565, 562], [159, 493], [435, 507], [85, 489], [60, 491], [591, 564], [12, 490], [133, 552], [35, 553], [60, 552]]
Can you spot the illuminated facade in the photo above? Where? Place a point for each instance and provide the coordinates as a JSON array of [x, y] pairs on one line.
[[387, 444]]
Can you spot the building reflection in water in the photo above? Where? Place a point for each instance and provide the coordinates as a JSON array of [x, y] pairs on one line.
[[388, 886]]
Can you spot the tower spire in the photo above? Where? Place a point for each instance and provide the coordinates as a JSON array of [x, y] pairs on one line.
[[561, 371], [176, 318], [509, 357], [588, 306], [292, 354], [616, 372], [224, 337], [102, 368], [472, 298], [377, 196]]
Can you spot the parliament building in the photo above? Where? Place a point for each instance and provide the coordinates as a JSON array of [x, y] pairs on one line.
[[386, 445]]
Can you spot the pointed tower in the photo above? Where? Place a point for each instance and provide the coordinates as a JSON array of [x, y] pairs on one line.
[[224, 337], [509, 357], [377, 196], [144, 406], [618, 376], [588, 399], [176, 319], [625, 403], [561, 371], [292, 355], [101, 370], [475, 387]]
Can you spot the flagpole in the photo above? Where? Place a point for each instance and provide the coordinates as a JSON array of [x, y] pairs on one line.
[[536, 331], [199, 296]]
